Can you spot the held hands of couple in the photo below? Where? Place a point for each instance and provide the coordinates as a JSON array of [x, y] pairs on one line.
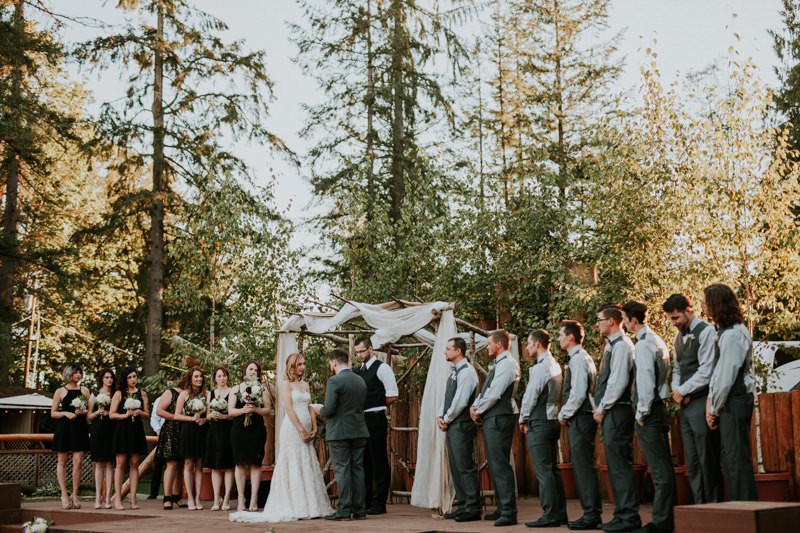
[[473, 414]]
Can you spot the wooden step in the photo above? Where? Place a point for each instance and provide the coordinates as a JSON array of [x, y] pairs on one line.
[[737, 517]]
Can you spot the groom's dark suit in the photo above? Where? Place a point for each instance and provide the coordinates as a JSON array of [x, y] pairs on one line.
[[346, 434]]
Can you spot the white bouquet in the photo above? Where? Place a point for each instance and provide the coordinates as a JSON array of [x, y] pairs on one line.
[[220, 405], [102, 400], [37, 525], [79, 402], [131, 404], [250, 393], [195, 406]]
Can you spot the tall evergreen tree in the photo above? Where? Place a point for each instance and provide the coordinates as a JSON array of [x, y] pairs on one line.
[[29, 120], [373, 160], [786, 42], [187, 89]]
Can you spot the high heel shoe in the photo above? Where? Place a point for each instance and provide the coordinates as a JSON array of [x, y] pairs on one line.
[[76, 503]]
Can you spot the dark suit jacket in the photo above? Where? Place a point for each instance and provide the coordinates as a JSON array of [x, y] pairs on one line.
[[345, 394]]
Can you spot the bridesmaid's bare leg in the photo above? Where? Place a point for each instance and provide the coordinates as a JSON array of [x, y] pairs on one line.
[[134, 477], [255, 481]]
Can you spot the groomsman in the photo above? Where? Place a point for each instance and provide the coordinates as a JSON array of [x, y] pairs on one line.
[[495, 409], [730, 391], [538, 420], [576, 413], [652, 427], [691, 374], [614, 412], [454, 419], [381, 392]]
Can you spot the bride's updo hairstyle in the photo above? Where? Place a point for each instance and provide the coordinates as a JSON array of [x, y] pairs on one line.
[[291, 364]]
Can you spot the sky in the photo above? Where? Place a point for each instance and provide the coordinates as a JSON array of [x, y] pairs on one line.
[[689, 34]]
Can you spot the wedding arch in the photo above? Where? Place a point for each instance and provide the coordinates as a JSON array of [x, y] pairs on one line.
[[428, 326]]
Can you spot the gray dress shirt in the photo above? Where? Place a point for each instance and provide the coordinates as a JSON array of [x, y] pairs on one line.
[[734, 347], [581, 365], [466, 383], [539, 376], [705, 357], [622, 361], [506, 372], [651, 352]]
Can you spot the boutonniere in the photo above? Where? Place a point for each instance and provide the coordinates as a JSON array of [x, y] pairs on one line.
[[689, 338], [491, 367], [453, 376]]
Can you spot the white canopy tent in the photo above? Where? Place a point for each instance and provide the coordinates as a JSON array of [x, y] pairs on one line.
[[391, 321], [27, 401]]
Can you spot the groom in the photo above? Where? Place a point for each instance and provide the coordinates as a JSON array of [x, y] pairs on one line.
[[346, 433]]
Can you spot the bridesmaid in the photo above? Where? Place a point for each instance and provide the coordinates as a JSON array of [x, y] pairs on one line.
[[219, 453], [190, 411], [71, 435], [248, 433], [102, 433], [168, 444], [129, 408]]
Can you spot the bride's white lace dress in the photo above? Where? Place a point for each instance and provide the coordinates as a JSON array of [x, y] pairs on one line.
[[297, 490]]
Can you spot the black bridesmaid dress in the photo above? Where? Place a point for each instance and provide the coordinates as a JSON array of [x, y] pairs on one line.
[[219, 452], [248, 442], [192, 435], [102, 433], [71, 435], [129, 433], [169, 436]]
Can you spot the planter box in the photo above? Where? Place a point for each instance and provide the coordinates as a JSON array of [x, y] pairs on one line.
[[737, 517], [773, 487], [568, 477], [682, 486], [639, 472]]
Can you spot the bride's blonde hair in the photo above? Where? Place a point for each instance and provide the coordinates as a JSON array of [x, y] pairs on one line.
[[291, 364]]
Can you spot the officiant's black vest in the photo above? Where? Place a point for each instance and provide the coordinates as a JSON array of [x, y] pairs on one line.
[[586, 405], [450, 393], [376, 392], [687, 356], [605, 372]]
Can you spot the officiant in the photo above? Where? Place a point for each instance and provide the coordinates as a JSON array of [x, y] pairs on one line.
[[382, 391]]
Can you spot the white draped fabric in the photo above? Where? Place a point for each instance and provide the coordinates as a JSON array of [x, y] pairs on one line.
[[432, 484], [433, 487]]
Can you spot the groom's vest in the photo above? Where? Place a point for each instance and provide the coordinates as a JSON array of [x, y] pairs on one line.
[[450, 393], [376, 392]]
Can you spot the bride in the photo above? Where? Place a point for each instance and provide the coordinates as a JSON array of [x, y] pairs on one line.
[[297, 490]]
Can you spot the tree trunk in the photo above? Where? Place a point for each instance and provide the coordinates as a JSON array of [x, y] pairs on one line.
[[370, 116], [155, 300], [559, 94], [398, 188], [8, 266]]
